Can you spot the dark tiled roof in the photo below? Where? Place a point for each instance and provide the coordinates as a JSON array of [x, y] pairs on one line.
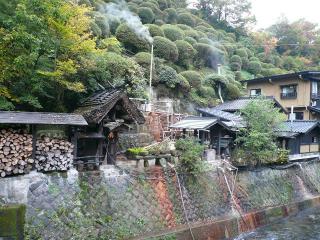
[[297, 126], [41, 118], [213, 112], [96, 107], [308, 75], [314, 109], [240, 103]]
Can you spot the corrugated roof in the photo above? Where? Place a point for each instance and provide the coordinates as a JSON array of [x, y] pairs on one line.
[[42, 118], [199, 123], [213, 112], [297, 126]]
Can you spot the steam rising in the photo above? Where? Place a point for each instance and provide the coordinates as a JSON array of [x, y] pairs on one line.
[[121, 11]]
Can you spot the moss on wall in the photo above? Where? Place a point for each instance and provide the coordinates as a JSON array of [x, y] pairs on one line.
[[12, 219]]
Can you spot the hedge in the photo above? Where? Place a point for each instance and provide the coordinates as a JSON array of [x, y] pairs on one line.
[[187, 19], [155, 30], [170, 15], [130, 40], [194, 78], [172, 32], [190, 40], [186, 52], [146, 15], [254, 67], [168, 76], [164, 48]]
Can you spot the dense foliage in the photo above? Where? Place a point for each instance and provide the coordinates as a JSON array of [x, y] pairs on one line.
[[55, 53], [258, 140]]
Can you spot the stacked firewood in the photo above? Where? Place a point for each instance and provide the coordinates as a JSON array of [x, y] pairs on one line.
[[15, 152], [53, 154]]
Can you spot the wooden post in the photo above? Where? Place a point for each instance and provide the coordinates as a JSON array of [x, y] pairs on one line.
[[218, 144], [34, 141], [74, 140]]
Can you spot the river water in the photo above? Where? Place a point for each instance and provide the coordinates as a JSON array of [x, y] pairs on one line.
[[303, 226]]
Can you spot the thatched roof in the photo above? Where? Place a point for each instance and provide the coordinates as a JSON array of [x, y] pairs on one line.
[[96, 107]]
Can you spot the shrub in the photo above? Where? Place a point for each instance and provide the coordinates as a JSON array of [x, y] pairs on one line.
[[190, 151], [95, 29], [186, 52], [164, 48], [236, 58], [111, 45], [190, 40], [192, 33], [133, 7], [130, 40], [172, 32], [113, 24], [163, 4], [168, 76], [159, 22], [146, 15], [242, 52], [152, 6], [103, 24], [205, 40], [184, 27], [194, 78], [155, 30], [184, 85], [235, 63], [208, 55], [254, 67], [187, 19], [170, 15], [143, 58]]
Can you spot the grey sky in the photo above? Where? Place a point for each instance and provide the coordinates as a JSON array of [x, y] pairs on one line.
[[268, 11]]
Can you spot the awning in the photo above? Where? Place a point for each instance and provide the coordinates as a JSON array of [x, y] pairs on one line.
[[195, 123]]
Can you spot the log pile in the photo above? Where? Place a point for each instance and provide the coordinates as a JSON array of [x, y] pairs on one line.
[[15, 152], [53, 154]]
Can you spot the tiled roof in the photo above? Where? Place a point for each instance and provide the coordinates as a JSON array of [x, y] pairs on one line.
[[240, 103], [200, 123], [96, 107], [47, 118], [309, 75], [213, 112], [297, 126]]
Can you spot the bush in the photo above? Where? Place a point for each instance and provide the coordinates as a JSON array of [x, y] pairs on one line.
[[190, 152], [146, 15], [235, 63], [152, 6], [208, 55], [103, 24], [194, 78], [186, 52], [168, 76], [130, 40], [192, 33], [155, 30], [164, 48], [133, 7], [184, 85], [190, 40], [159, 22], [143, 58], [184, 27], [187, 19], [242, 52], [113, 24], [254, 67], [170, 15], [95, 29], [163, 4], [172, 32]]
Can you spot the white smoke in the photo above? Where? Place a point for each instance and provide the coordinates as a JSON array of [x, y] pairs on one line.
[[121, 11]]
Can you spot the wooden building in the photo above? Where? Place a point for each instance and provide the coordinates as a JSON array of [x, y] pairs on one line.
[[37, 140], [299, 90], [300, 137], [216, 134], [107, 113]]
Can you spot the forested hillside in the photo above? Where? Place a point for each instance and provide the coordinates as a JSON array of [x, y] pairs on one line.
[[54, 53]]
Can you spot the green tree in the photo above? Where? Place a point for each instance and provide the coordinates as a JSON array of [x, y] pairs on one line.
[[258, 140], [146, 15], [164, 48], [42, 48], [186, 53]]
